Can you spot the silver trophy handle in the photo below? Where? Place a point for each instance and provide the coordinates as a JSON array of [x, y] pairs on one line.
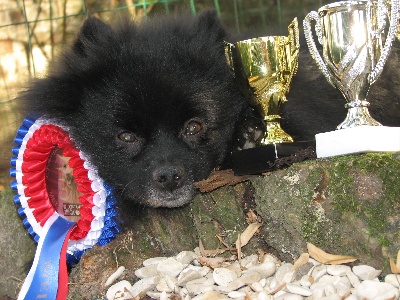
[[313, 15], [391, 33]]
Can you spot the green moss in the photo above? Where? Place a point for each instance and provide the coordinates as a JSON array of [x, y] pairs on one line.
[[341, 187], [314, 223], [163, 230], [146, 243], [300, 184], [376, 217], [218, 213], [346, 204], [374, 210]]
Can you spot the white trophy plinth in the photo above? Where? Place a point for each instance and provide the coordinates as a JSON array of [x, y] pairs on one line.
[[359, 139]]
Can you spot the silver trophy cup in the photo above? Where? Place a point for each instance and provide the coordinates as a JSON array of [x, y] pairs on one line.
[[356, 38]]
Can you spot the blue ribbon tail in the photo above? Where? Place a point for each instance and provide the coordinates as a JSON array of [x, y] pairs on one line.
[[42, 280]]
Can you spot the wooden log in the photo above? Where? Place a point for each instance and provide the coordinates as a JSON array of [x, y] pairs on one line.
[[346, 205]]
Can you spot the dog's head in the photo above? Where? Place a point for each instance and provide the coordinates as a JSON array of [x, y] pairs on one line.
[[153, 106]]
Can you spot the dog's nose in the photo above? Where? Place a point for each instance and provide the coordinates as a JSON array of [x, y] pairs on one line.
[[168, 177]]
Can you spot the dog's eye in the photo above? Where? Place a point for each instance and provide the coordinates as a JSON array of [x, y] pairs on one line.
[[193, 127], [127, 137]]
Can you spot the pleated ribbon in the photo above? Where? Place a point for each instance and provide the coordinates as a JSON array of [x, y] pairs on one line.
[[59, 240]]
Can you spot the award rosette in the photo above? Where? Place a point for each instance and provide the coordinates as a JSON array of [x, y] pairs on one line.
[[66, 206]]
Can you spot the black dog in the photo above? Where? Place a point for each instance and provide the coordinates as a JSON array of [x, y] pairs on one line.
[[156, 108]]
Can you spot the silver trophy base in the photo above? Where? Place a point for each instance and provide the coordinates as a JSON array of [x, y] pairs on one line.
[[358, 115], [360, 139]]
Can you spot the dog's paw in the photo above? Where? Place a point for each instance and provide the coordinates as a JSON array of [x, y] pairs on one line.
[[249, 131]]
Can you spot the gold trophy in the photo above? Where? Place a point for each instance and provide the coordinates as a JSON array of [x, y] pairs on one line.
[[263, 68], [355, 48]]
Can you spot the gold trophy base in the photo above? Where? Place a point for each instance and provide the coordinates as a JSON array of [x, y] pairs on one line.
[[275, 134], [358, 115]]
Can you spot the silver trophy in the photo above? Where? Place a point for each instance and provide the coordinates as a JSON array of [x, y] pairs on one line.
[[356, 38]]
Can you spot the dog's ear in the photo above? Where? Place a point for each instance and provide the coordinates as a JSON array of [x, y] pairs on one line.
[[93, 32], [210, 24], [59, 95]]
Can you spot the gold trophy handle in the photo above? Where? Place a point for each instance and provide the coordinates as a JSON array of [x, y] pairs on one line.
[[228, 54], [391, 33], [290, 59], [313, 15], [294, 42]]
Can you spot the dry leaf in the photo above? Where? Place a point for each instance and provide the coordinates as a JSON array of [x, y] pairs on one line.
[[261, 254], [239, 248], [395, 267], [221, 240], [212, 262], [215, 252], [201, 247], [398, 260], [302, 260], [251, 217], [326, 258], [311, 279], [219, 178], [278, 288], [248, 234]]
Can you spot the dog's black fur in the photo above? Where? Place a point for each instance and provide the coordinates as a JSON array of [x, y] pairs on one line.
[[155, 106]]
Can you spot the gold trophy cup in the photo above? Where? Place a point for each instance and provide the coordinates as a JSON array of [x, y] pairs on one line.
[[355, 48], [263, 68]]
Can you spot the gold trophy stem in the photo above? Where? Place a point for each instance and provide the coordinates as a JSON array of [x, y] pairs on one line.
[[274, 134]]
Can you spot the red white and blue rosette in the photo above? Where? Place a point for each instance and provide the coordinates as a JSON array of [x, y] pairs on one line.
[[69, 228]]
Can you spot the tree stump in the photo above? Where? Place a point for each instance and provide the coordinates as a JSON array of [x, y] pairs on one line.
[[345, 205], [16, 247]]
